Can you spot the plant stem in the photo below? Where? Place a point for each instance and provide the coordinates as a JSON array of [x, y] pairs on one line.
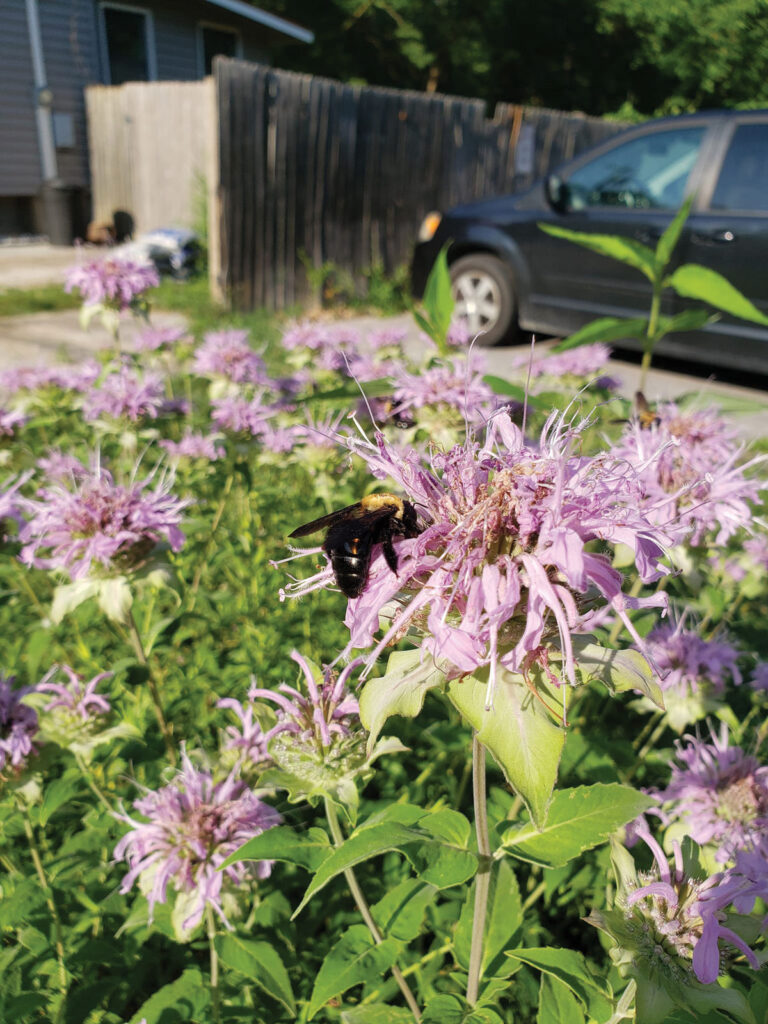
[[88, 776], [210, 924], [365, 910], [45, 886], [138, 647], [483, 878], [411, 969], [211, 540], [650, 337]]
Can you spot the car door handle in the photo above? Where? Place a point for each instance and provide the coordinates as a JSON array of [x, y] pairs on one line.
[[721, 237], [648, 235]]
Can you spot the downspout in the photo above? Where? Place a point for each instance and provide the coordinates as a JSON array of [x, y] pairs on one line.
[[43, 112]]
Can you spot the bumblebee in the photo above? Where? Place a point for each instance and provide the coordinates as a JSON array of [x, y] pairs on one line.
[[353, 531], [645, 415]]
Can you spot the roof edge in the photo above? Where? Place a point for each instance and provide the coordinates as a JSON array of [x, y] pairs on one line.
[[272, 21]]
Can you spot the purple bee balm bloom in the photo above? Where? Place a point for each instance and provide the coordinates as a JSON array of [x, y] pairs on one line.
[[387, 337], [128, 394], [69, 378], [504, 562], [154, 338], [281, 439], [687, 662], [247, 740], [686, 915], [457, 383], [58, 465], [11, 502], [718, 792], [18, 725], [110, 282], [585, 361], [97, 526], [195, 446], [10, 421], [327, 711], [759, 680], [75, 695], [193, 825], [691, 472], [228, 354]]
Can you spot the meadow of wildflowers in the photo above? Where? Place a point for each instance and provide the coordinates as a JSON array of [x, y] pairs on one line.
[[521, 778]]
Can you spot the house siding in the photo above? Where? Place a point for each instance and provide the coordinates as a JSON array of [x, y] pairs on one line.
[[20, 172]]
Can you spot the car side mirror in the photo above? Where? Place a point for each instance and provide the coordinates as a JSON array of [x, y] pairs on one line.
[[558, 193]]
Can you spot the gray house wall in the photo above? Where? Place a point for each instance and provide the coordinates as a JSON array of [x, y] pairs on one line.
[[72, 51]]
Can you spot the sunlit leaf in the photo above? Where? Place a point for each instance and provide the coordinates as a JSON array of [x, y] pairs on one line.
[[695, 282], [627, 251]]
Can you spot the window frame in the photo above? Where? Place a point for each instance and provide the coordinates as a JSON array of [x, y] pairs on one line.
[[219, 27], [149, 37], [746, 119]]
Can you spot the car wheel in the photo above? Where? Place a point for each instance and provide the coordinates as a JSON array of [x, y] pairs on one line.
[[484, 297]]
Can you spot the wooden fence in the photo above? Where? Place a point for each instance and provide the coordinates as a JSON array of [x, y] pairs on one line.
[[314, 171], [151, 147], [304, 171]]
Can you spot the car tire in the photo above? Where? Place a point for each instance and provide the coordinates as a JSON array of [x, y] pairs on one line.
[[484, 296]]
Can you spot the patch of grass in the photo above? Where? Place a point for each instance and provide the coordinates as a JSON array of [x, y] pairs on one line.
[[46, 299]]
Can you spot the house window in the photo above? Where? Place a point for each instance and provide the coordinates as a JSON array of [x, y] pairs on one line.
[[216, 41], [129, 47]]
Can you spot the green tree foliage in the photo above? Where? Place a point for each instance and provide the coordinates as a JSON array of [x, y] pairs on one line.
[[599, 56]]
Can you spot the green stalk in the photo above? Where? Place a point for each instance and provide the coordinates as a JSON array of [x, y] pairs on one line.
[[210, 924], [483, 878], [91, 781], [138, 647], [51, 903], [650, 336], [365, 910]]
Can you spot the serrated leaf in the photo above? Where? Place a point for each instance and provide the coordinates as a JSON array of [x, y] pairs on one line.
[[354, 960], [56, 794], [517, 732], [572, 970], [438, 862], [695, 282], [261, 963], [504, 917], [557, 1004], [579, 819], [605, 329], [187, 994], [400, 913], [400, 691], [625, 250], [618, 670], [307, 849], [671, 235]]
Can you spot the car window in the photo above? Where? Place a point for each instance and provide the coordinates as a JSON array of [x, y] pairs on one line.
[[743, 181], [646, 173]]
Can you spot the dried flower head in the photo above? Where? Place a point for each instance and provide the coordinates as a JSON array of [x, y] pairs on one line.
[[193, 824]]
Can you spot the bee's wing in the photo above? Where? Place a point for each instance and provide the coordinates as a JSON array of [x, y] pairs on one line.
[[348, 512]]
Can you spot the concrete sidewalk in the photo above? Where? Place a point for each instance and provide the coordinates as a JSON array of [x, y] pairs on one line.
[[33, 264]]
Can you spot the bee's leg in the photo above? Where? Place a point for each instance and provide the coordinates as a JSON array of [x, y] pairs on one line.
[[390, 554]]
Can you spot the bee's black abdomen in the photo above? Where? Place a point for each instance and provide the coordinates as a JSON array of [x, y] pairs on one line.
[[349, 550]]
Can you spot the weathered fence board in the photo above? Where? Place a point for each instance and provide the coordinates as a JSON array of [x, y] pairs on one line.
[[149, 146], [312, 171]]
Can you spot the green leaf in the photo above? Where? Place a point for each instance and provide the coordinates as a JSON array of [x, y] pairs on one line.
[[607, 328], [688, 320], [307, 849], [618, 670], [400, 913], [671, 236], [58, 793], [187, 996], [504, 387], [633, 254], [695, 282], [572, 970], [450, 1009], [261, 963], [422, 842], [376, 1013], [354, 960], [382, 387], [578, 820], [517, 732], [400, 691], [557, 1004], [504, 918], [438, 300]]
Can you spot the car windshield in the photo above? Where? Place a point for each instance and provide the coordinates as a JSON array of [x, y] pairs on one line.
[[649, 172]]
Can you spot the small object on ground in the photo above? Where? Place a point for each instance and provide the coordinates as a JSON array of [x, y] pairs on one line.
[[173, 251]]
